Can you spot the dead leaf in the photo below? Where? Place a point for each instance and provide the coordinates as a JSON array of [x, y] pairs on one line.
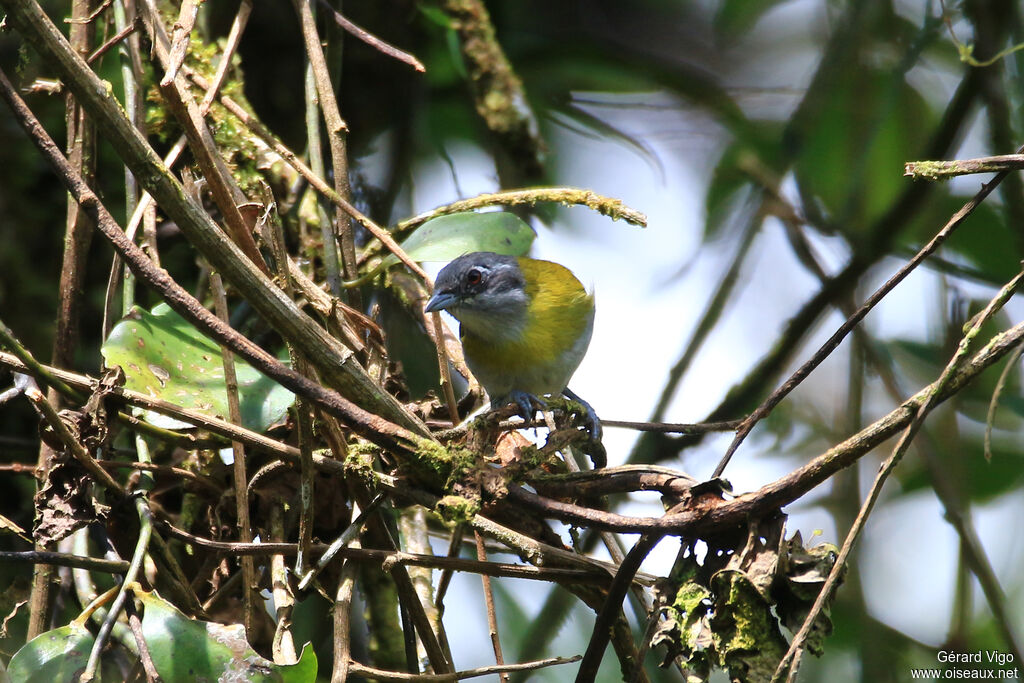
[[65, 503]]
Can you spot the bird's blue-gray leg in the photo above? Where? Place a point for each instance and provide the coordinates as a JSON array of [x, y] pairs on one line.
[[526, 402], [593, 422]]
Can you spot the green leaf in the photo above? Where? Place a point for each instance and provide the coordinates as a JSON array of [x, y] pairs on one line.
[[56, 655], [447, 237], [866, 124], [187, 650], [163, 356], [435, 15], [736, 17]]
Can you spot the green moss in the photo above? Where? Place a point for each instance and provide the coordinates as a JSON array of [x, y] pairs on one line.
[[532, 458], [444, 464], [359, 461], [455, 510], [689, 597], [746, 634], [245, 155]]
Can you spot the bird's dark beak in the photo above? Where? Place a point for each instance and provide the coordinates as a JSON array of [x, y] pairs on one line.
[[441, 301]]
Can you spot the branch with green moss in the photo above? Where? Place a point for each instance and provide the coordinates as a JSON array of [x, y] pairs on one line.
[[944, 170], [569, 196]]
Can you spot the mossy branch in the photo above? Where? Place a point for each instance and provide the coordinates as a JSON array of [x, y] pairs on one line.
[[944, 170]]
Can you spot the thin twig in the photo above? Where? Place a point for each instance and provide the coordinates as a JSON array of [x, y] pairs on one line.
[[349, 535], [137, 216], [372, 40], [29, 365], [442, 362], [492, 617], [179, 40], [64, 560], [238, 469], [399, 677], [135, 624], [199, 479], [230, 46], [993, 405], [307, 474], [117, 38], [454, 543], [675, 427], [315, 151], [449, 349], [654, 620], [217, 426]]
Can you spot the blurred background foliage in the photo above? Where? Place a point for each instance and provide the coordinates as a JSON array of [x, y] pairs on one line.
[[793, 120]]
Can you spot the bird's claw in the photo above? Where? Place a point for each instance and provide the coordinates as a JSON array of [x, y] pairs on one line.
[[527, 403], [593, 422]]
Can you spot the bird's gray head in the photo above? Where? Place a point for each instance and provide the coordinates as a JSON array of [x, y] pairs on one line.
[[485, 291]]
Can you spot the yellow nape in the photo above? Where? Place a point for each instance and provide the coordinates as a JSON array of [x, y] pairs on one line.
[[560, 308]]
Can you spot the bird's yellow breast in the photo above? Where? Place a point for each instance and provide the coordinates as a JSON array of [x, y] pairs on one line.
[[559, 315]]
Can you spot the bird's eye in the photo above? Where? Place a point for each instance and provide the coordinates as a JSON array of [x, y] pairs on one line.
[[474, 277]]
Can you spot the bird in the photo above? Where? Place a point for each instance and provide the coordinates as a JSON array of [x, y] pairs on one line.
[[525, 325]]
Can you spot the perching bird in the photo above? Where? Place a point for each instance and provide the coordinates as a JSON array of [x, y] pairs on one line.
[[525, 326]]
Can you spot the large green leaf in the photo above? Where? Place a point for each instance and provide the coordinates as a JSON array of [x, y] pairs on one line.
[[164, 356], [187, 650], [53, 656], [447, 237], [867, 124]]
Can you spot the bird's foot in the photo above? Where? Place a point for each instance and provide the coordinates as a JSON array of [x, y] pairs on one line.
[[527, 403], [594, 449], [593, 421]]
